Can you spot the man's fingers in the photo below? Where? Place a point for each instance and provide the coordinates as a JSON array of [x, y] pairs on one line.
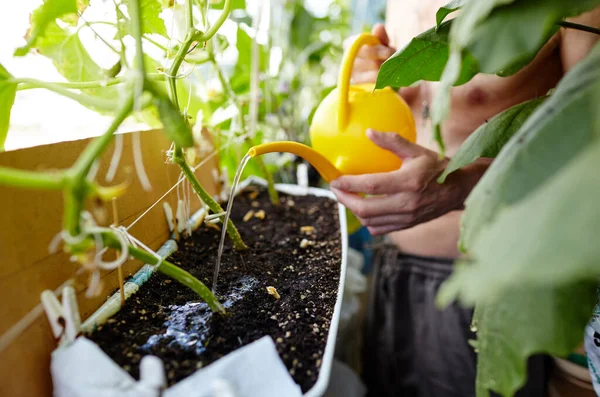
[[386, 220], [365, 77], [395, 144], [381, 230], [364, 65], [382, 183], [374, 206], [375, 52], [380, 32]]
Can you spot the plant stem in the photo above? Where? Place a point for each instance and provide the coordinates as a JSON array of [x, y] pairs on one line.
[[28, 84], [178, 155], [174, 68], [76, 189], [170, 270], [273, 195], [222, 18], [585, 28], [135, 13], [215, 207], [86, 100], [32, 179]]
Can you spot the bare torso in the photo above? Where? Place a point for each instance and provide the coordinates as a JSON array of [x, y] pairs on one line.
[[472, 104]]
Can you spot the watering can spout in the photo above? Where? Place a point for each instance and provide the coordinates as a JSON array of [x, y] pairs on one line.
[[327, 170]]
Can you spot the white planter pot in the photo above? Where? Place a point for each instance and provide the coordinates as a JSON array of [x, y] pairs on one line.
[[82, 369]]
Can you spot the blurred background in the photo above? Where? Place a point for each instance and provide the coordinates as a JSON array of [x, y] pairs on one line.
[[301, 39]]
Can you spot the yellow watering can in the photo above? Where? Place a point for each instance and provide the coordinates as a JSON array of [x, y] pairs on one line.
[[340, 145]]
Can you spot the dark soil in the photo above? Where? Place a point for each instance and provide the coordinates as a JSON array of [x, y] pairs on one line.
[[169, 321]]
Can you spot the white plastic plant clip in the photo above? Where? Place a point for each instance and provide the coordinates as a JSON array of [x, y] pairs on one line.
[[152, 377], [169, 215], [222, 388], [180, 213], [302, 175], [64, 319]]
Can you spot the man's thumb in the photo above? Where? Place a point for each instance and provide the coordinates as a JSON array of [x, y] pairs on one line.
[[395, 144], [380, 32]]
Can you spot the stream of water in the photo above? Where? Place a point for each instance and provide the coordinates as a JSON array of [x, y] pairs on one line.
[[234, 186]]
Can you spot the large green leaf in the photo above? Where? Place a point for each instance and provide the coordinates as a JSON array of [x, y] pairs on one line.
[[8, 91], [515, 33], [545, 239], [473, 12], [551, 137], [523, 322], [491, 136], [423, 58], [73, 61], [446, 10], [73, 18], [503, 35], [43, 16], [152, 23]]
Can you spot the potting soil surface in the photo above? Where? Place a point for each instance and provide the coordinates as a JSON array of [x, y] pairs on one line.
[[294, 247]]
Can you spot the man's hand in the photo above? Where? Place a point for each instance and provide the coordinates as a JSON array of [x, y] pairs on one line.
[[369, 58], [408, 196]]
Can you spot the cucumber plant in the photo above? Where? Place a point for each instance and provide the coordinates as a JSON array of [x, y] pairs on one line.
[[140, 90], [530, 264]]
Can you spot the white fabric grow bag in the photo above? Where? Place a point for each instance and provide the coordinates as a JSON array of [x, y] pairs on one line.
[[82, 369]]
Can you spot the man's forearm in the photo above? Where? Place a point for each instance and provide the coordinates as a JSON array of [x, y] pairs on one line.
[[466, 178]]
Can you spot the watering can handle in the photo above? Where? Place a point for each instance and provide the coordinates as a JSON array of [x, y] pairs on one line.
[[346, 72]]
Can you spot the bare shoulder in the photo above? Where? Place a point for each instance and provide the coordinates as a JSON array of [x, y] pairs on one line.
[[576, 44]]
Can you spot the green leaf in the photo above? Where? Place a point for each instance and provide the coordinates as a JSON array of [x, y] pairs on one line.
[[152, 23], [446, 10], [151, 20], [302, 27], [503, 35], [554, 134], [72, 60], [523, 322], [514, 34], [546, 236], [491, 136], [175, 126], [240, 80], [72, 19], [44, 15], [473, 12], [423, 58], [8, 92], [235, 4]]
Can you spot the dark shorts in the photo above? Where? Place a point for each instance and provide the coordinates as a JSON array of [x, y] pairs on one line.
[[411, 347]]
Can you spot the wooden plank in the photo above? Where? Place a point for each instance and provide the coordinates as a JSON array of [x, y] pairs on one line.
[[31, 219]]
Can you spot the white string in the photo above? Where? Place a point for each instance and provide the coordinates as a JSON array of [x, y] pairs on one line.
[[135, 242]]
